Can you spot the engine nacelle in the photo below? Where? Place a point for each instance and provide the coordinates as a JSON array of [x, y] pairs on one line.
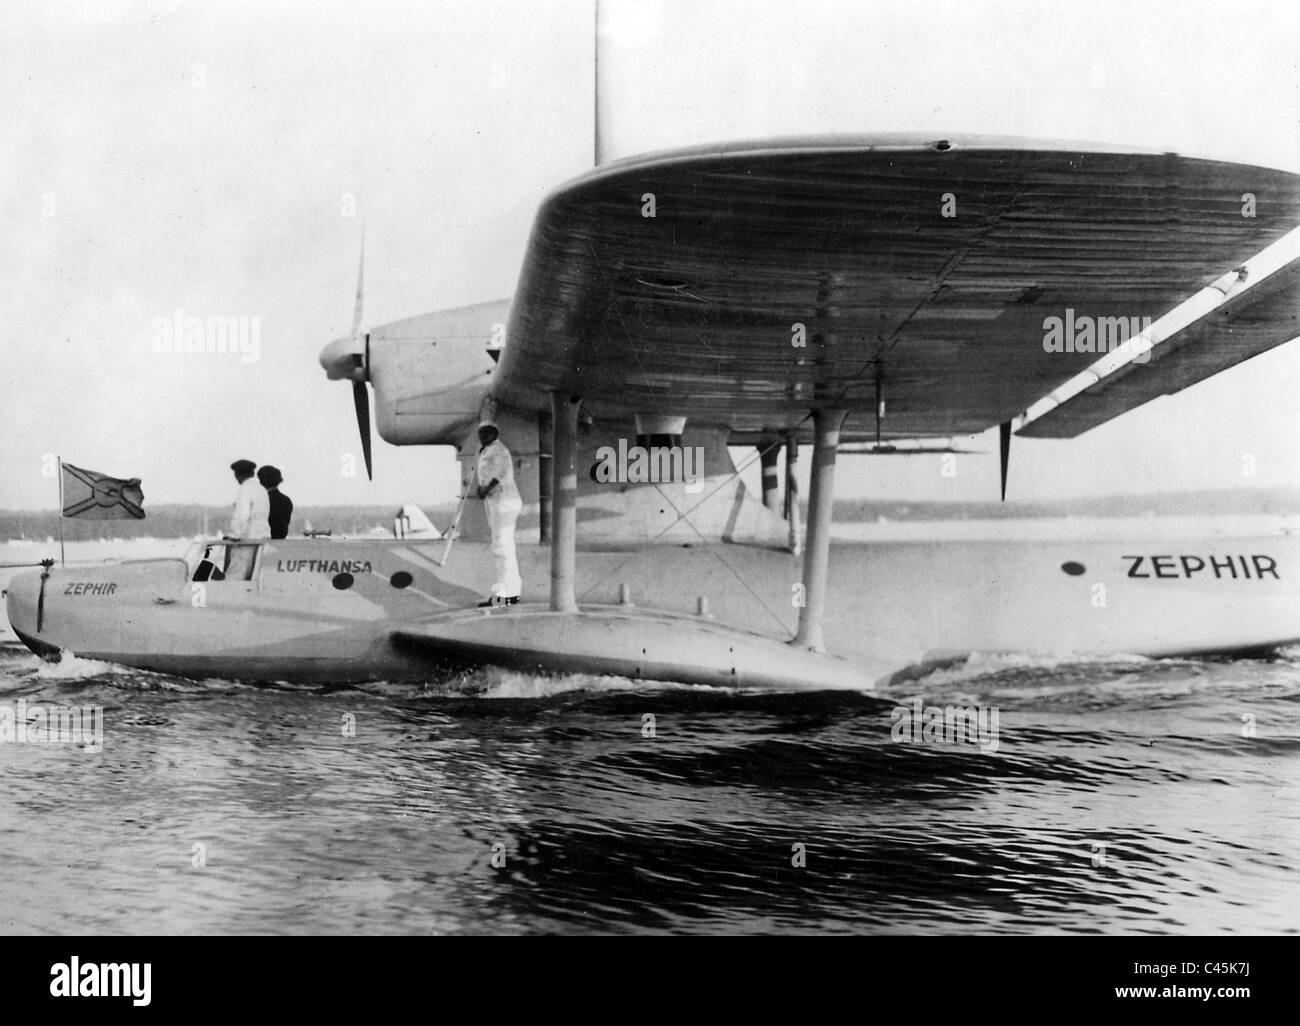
[[431, 373]]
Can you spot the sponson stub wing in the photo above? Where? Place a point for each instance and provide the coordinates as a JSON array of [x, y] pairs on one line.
[[747, 284]]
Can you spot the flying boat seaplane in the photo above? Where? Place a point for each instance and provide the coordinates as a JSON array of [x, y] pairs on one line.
[[855, 294]]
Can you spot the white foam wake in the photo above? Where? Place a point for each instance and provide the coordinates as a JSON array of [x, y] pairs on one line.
[[983, 664], [72, 667], [512, 684]]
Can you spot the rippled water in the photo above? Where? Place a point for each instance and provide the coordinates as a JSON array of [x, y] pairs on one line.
[[1122, 797]]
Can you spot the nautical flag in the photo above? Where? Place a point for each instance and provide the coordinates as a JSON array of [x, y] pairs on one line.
[[93, 496]]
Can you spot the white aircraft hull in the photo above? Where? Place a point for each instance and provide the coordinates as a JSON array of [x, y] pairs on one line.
[[892, 606]]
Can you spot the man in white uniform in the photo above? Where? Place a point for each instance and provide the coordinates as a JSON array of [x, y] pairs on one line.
[[248, 520], [496, 487]]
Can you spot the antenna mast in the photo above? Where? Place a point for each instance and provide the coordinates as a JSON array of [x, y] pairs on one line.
[[597, 156]]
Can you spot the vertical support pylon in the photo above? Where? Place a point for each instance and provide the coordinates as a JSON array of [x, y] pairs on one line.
[[768, 457], [821, 502], [791, 465], [564, 499], [545, 475]]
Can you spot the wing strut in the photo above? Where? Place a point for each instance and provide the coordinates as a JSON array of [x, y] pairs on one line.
[[564, 495], [795, 543], [821, 501]]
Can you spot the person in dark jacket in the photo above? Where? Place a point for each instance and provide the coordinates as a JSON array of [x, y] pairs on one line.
[[281, 504]]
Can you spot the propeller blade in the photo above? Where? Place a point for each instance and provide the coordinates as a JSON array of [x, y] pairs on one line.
[[361, 277], [361, 398]]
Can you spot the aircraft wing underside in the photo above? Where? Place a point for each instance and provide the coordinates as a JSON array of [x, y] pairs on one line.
[[749, 283]]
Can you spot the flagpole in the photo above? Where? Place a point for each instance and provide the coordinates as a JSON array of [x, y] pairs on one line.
[[62, 558]]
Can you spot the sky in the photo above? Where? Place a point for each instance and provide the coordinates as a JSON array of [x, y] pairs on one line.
[[220, 158]]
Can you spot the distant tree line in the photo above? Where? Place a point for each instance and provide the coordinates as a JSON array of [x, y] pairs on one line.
[[184, 521]]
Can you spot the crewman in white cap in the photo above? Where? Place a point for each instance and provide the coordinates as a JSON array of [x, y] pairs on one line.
[[248, 520], [496, 487]]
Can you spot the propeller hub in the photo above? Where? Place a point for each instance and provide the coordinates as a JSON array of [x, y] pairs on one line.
[[344, 359]]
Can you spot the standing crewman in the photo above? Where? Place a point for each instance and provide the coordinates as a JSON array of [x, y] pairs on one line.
[[248, 520], [281, 505], [496, 487]]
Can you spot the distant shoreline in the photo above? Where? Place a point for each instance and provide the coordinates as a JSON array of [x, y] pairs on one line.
[[182, 521]]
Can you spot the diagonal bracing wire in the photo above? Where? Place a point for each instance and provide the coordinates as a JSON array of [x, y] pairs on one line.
[[685, 515]]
